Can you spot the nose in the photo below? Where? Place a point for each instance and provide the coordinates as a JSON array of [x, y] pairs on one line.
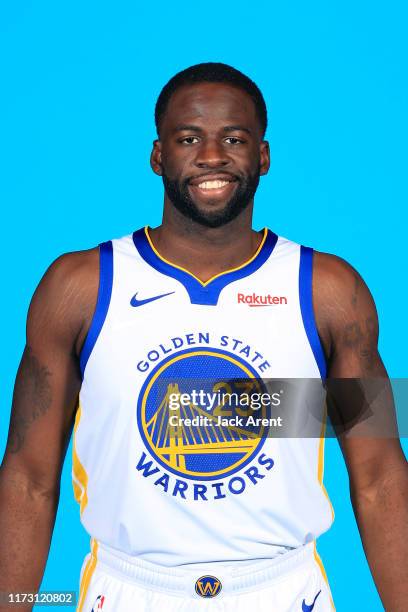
[[211, 154]]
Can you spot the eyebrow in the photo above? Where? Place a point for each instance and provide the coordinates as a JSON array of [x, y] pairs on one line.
[[196, 128], [187, 128], [237, 128]]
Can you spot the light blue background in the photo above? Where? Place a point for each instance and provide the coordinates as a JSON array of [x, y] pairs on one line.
[[79, 81]]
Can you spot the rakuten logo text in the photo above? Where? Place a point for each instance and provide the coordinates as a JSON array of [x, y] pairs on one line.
[[252, 299]]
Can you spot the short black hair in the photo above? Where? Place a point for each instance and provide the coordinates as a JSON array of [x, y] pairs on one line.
[[211, 72]]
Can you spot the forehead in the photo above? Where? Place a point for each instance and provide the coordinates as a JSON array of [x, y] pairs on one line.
[[209, 103]]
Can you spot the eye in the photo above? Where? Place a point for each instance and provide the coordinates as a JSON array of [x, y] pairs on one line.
[[234, 141], [189, 140]]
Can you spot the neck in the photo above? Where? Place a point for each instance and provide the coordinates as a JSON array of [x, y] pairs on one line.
[[205, 251]]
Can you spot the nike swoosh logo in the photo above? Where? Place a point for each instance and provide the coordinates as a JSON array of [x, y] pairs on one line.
[[135, 302], [306, 608]]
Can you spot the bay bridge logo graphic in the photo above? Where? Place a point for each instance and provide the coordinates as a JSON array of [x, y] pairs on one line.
[[208, 586], [204, 451]]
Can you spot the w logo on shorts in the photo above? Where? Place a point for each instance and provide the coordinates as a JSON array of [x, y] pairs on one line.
[[208, 586]]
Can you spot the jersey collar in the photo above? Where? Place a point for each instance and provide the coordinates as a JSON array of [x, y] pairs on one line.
[[206, 293]]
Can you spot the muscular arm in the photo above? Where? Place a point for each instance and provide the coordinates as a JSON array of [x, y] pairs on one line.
[[44, 402], [378, 472]]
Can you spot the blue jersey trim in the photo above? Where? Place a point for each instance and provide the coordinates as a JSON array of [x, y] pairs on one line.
[[102, 304], [205, 294], [306, 307]]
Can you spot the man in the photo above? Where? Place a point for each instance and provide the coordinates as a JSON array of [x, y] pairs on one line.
[[211, 516]]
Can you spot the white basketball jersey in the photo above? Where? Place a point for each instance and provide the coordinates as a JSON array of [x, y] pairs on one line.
[[175, 494]]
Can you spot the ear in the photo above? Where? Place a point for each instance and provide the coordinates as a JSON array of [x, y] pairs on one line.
[[155, 158], [265, 158]]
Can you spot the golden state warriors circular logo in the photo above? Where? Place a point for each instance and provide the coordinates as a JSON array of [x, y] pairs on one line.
[[186, 422], [208, 586]]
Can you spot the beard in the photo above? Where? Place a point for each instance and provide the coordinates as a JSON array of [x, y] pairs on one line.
[[178, 193]]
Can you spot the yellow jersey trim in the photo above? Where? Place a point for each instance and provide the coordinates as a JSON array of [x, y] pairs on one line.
[[87, 575], [323, 571], [320, 464], [320, 475], [79, 475]]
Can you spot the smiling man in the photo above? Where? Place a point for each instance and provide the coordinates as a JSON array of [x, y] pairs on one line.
[[204, 516]]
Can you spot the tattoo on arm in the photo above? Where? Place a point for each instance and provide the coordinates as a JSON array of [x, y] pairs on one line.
[[32, 398], [362, 338]]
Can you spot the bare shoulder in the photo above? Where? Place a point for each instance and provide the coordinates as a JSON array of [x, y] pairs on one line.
[[343, 304], [337, 284], [75, 269], [65, 298]]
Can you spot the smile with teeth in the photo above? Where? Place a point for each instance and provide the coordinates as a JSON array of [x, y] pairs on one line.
[[213, 184]]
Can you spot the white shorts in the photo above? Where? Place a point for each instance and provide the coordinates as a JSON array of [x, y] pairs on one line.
[[114, 582]]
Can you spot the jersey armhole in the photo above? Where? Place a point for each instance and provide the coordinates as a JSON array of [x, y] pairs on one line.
[[102, 303], [306, 307]]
